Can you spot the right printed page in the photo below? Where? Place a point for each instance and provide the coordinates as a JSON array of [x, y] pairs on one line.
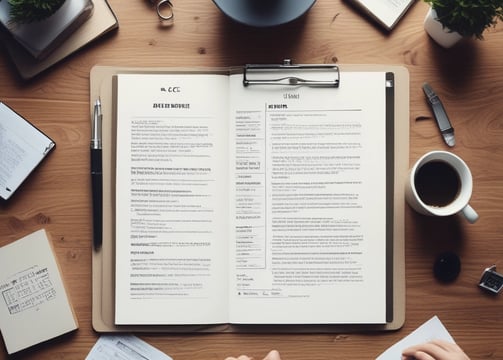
[[308, 202]]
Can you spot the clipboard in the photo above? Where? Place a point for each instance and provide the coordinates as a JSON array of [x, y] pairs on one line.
[[103, 263]]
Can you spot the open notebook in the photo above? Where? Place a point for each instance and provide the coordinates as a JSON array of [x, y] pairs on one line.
[[200, 152]]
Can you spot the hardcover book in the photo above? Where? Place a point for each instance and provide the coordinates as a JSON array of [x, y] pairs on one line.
[[34, 306]]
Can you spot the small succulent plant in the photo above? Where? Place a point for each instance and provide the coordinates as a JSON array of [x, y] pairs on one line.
[[28, 11], [469, 18]]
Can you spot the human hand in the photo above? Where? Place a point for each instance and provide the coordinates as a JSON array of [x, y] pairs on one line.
[[434, 350], [273, 355]]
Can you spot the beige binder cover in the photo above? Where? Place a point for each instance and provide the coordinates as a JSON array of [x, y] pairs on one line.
[[103, 260]]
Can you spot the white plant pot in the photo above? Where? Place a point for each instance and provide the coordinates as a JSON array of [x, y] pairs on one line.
[[442, 35]]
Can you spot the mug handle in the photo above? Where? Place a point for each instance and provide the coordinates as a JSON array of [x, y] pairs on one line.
[[470, 214]]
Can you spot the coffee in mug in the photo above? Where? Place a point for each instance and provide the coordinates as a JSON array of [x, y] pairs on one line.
[[440, 184], [437, 183]]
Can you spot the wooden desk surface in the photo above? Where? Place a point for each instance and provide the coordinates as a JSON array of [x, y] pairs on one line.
[[469, 79]]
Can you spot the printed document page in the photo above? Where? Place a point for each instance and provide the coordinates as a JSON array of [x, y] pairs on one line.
[[124, 347], [172, 199], [23, 148], [308, 202], [258, 204], [388, 11]]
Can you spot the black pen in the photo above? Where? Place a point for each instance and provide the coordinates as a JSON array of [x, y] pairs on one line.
[[440, 115], [97, 176]]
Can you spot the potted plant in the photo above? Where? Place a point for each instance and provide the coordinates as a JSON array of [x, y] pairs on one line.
[[28, 11], [448, 21], [40, 26]]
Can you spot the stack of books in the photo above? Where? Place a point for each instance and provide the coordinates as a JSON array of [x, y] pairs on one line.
[[36, 46]]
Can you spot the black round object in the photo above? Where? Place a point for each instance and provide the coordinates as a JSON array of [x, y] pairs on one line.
[[264, 13], [447, 267]]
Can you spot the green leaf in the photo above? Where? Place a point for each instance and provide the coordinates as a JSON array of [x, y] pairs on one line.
[[468, 17], [28, 11]]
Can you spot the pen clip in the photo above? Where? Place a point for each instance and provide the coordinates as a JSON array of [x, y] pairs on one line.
[[96, 126]]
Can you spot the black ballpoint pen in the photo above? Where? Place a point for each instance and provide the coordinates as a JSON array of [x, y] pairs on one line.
[[97, 176], [440, 115]]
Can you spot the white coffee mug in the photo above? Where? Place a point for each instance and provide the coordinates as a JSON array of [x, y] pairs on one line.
[[440, 184]]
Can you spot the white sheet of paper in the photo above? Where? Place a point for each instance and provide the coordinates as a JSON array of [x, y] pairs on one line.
[[23, 148], [432, 329], [388, 11], [216, 180], [124, 347]]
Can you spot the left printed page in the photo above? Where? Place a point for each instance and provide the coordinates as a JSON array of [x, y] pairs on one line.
[[34, 306], [171, 199]]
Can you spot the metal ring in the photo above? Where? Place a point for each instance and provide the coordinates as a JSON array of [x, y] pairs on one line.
[[163, 7]]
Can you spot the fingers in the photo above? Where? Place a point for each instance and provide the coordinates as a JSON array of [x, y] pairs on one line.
[[428, 351], [273, 355], [417, 355], [435, 350]]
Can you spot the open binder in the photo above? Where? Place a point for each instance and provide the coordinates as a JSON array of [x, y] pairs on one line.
[[397, 113]]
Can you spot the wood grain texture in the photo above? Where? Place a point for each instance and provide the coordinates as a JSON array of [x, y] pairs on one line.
[[469, 78]]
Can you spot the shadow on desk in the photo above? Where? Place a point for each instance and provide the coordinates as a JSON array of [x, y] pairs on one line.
[[248, 44], [438, 234], [457, 66]]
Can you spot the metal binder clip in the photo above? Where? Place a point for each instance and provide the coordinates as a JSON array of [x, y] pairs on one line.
[[164, 9], [491, 280], [254, 74]]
